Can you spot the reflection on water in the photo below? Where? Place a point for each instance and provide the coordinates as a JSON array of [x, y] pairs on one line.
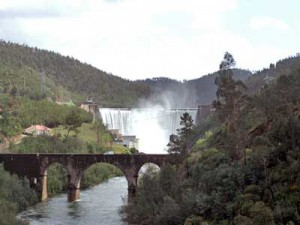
[[98, 205]]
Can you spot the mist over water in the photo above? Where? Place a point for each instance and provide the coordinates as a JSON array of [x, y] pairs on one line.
[[151, 125]]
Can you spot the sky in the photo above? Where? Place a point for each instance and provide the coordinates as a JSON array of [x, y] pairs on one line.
[[138, 39]]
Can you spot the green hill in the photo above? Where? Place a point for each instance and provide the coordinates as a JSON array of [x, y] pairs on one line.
[[282, 67], [35, 72], [203, 90], [187, 93]]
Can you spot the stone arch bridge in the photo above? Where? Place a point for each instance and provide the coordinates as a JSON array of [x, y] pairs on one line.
[[34, 167]]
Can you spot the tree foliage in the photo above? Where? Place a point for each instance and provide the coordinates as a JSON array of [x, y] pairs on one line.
[[10, 125], [22, 68], [178, 144], [261, 187], [229, 104], [15, 196], [24, 112]]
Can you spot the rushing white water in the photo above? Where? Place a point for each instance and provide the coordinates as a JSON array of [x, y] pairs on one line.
[[152, 126]]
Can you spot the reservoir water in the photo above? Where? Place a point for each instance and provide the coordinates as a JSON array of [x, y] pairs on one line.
[[99, 205]]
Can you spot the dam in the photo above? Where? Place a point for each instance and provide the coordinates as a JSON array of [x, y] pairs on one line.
[[151, 126]]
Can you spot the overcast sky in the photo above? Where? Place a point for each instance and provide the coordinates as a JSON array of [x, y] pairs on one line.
[[135, 39]]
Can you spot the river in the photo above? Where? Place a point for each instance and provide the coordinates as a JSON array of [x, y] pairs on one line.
[[98, 205]]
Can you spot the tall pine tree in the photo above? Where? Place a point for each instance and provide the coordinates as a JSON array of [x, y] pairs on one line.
[[178, 143], [228, 106]]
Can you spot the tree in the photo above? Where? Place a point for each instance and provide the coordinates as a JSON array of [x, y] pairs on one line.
[[73, 121], [228, 104], [100, 130], [186, 130], [9, 125], [175, 144], [178, 143]]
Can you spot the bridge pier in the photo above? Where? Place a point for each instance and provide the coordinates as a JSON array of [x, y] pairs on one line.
[[44, 192], [74, 179], [73, 193], [132, 183]]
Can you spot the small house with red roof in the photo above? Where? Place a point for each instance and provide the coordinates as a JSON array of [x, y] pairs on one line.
[[36, 130]]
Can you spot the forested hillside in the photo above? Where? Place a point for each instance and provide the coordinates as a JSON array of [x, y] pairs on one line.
[[35, 72], [203, 90], [245, 168], [282, 67], [189, 93]]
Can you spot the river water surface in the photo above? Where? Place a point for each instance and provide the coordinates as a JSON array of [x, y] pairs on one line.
[[99, 205]]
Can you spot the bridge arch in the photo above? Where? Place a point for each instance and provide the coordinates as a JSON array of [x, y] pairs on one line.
[[129, 172], [49, 161], [99, 172], [54, 180], [147, 166]]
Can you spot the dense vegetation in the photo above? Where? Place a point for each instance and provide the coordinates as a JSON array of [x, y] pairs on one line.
[[21, 112], [34, 72], [282, 67], [15, 196], [244, 170], [37, 73], [203, 90]]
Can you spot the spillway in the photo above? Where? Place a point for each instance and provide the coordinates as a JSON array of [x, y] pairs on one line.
[[152, 126]]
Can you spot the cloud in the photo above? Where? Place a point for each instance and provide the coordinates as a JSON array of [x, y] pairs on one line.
[[135, 38], [39, 8], [13, 14], [268, 22]]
